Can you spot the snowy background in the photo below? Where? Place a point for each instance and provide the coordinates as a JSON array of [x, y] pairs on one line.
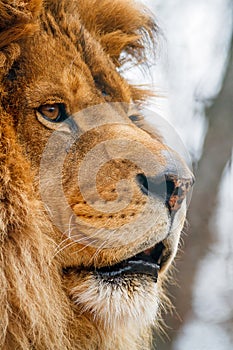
[[194, 54]]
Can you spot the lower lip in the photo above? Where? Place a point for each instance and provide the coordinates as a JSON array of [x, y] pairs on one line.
[[130, 267]]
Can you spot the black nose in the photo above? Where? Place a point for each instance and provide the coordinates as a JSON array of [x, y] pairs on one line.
[[169, 187]]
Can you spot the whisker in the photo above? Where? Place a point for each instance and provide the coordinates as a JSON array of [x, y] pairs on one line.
[[97, 252], [87, 245], [62, 248], [57, 250], [102, 246]]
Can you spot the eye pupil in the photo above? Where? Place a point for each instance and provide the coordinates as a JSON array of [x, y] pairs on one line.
[[53, 112], [50, 111]]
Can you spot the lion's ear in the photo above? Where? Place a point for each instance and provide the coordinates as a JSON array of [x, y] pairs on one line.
[[17, 19], [125, 29]]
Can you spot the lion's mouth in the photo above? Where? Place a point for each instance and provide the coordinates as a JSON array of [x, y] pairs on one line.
[[148, 263]]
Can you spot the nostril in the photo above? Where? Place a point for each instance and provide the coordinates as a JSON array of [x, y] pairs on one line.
[[155, 186], [143, 184], [169, 187]]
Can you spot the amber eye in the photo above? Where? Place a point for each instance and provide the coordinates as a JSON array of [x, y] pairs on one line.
[[53, 112]]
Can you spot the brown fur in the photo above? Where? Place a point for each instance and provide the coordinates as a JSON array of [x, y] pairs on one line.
[[66, 52]]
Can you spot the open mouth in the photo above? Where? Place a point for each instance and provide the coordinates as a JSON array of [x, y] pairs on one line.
[[148, 262]]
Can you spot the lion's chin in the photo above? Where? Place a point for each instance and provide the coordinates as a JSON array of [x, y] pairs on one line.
[[128, 301], [122, 295]]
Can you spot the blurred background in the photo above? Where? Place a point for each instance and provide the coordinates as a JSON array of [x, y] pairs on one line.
[[193, 81]]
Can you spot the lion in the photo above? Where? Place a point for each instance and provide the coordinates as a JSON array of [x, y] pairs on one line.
[[92, 200]]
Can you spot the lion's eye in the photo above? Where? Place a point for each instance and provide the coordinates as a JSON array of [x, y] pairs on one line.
[[55, 112]]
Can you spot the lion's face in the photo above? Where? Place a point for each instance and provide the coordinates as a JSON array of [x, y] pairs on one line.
[[115, 193]]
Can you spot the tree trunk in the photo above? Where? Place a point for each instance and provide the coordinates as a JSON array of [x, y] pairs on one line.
[[216, 153]]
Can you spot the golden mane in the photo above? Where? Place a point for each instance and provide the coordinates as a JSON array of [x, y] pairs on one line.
[[28, 290]]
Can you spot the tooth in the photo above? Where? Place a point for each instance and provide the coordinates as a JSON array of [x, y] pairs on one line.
[[159, 259]]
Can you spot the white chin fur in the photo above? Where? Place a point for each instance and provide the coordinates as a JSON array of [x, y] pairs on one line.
[[130, 302]]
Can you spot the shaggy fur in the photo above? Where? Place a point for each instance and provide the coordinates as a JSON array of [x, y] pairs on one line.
[[71, 52]]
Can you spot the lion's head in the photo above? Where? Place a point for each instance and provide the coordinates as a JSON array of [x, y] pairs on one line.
[[92, 201]]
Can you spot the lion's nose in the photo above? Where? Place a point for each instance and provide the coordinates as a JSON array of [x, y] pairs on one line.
[[170, 187]]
